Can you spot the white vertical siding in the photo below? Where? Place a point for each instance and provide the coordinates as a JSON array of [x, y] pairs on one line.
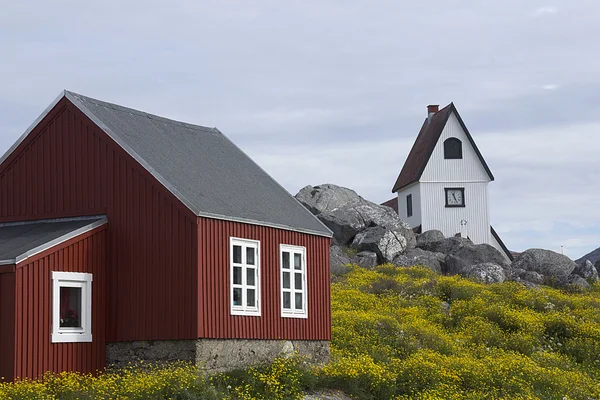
[[414, 189], [435, 214], [467, 169]]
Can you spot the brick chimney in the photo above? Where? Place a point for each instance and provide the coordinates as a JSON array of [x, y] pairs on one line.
[[432, 109]]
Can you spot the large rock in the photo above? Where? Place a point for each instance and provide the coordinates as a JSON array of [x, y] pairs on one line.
[[339, 260], [346, 213], [386, 243], [326, 197], [428, 259], [587, 271], [429, 236], [486, 273], [348, 220], [532, 277], [365, 259], [479, 253], [555, 267], [576, 282], [446, 246], [461, 253]]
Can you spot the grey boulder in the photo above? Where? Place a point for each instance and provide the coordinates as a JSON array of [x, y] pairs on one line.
[[339, 260], [429, 236], [486, 273], [428, 259], [365, 259], [326, 197], [532, 277], [348, 220], [555, 267], [461, 253], [446, 246], [386, 243], [578, 283], [587, 271]]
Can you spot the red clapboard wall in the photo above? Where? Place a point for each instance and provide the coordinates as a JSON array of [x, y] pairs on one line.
[[68, 167], [214, 319], [31, 352]]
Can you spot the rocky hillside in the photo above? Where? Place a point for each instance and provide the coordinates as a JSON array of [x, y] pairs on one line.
[[593, 256], [368, 234]]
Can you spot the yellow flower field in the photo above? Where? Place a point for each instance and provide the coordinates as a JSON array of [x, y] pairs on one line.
[[399, 333]]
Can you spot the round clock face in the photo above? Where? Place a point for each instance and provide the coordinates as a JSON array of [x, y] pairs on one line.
[[454, 197]]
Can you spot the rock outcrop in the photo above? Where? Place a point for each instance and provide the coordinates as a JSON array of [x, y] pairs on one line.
[[433, 261], [429, 236], [386, 243], [587, 271], [368, 234], [554, 267]]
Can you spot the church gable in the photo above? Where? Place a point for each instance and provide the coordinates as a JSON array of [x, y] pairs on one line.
[[427, 141], [454, 157]]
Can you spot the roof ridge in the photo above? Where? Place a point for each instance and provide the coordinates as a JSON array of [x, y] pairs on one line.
[[52, 220], [134, 111]]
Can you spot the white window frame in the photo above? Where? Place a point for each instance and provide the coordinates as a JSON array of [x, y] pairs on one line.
[[293, 312], [244, 309], [77, 280]]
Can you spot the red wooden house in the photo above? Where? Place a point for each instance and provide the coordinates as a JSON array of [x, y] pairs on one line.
[[128, 236]]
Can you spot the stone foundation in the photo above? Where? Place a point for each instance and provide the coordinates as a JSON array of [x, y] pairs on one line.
[[215, 355]]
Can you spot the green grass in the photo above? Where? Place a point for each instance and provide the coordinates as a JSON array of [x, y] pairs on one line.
[[401, 333]]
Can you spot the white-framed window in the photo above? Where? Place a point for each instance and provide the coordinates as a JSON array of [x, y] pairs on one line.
[[71, 307], [294, 297], [245, 276]]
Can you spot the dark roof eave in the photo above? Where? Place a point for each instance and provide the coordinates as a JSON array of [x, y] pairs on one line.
[[430, 141], [508, 252]]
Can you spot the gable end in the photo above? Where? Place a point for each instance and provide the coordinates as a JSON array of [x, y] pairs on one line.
[[425, 143]]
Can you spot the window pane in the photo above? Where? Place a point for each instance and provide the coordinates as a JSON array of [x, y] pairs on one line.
[[286, 260], [237, 275], [286, 280], [298, 281], [237, 254], [250, 255], [287, 300], [298, 301], [250, 299], [297, 261], [70, 307], [237, 296], [250, 274]]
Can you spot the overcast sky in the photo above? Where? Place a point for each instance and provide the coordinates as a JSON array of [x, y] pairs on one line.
[[336, 91]]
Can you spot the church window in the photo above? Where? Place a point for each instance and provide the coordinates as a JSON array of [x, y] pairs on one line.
[[409, 210], [452, 148]]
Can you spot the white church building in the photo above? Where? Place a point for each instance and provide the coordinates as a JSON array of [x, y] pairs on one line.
[[443, 184]]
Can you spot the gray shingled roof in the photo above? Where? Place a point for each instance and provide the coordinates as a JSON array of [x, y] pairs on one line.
[[19, 240], [201, 167]]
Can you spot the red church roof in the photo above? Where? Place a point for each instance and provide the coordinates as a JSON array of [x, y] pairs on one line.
[[423, 147]]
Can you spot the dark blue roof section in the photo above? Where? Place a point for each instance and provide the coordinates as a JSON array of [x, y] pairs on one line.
[[19, 240], [202, 167]]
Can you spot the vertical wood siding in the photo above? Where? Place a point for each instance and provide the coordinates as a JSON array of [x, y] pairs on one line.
[[69, 167], [34, 351], [7, 326], [447, 219], [467, 169], [415, 191], [214, 319]]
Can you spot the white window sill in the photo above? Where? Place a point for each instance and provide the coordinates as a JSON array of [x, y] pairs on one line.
[[294, 315], [248, 313], [71, 337]]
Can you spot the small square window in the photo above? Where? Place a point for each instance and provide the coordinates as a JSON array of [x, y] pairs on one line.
[[71, 307]]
